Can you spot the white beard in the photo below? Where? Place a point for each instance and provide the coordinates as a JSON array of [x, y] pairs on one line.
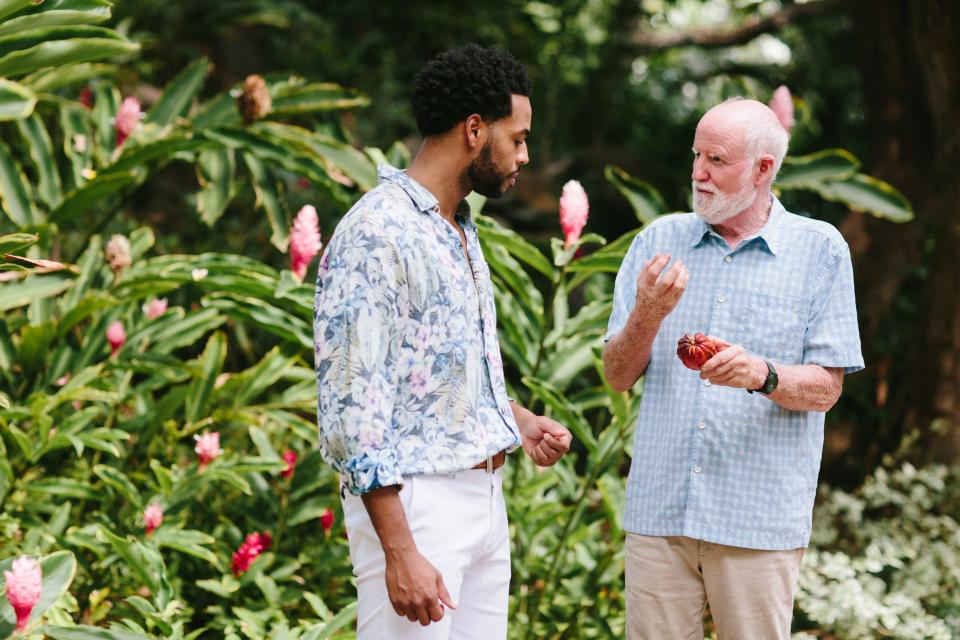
[[720, 207]]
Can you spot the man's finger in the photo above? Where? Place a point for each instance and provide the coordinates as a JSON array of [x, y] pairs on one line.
[[435, 611], [652, 272], [556, 444], [670, 277], [423, 615], [444, 594]]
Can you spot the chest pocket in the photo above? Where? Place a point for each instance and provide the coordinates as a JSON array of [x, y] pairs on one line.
[[772, 326]]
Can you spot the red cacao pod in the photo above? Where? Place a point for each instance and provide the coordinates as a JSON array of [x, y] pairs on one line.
[[694, 349]]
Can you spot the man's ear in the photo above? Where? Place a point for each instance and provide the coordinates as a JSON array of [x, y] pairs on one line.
[[474, 129], [766, 167]]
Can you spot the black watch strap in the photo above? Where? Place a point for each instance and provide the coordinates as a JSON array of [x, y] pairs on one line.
[[770, 384]]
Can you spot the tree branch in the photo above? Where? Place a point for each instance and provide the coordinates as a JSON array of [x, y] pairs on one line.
[[649, 41]]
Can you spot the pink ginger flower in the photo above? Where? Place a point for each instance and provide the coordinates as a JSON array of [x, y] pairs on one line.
[[64, 379], [155, 308], [116, 336], [290, 457], [574, 209], [24, 582], [128, 116], [304, 240], [152, 517], [327, 519], [781, 103], [254, 544], [208, 447]]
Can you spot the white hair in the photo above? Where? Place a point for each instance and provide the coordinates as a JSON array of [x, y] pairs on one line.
[[765, 135]]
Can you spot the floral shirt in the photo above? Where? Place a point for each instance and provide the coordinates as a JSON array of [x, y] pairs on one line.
[[409, 375]]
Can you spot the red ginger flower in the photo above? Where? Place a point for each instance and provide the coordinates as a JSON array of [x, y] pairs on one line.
[[116, 336], [304, 240], [24, 582], [290, 457], [152, 517], [208, 447], [326, 521], [155, 308], [574, 210], [128, 116], [782, 104], [254, 544]]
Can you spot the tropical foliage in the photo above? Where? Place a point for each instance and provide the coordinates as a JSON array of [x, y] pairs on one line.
[[157, 444]]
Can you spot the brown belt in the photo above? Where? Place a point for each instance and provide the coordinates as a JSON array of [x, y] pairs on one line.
[[498, 459]]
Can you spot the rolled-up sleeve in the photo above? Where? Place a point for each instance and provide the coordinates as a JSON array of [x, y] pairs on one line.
[[357, 317], [832, 338], [625, 287]]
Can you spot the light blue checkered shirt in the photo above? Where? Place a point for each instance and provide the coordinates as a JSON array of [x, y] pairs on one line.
[[716, 463]]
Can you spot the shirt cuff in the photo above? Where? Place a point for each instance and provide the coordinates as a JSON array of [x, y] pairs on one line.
[[368, 472]]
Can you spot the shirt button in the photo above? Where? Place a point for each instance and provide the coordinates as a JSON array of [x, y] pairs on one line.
[[701, 426], [697, 469], [706, 383], [720, 298], [728, 258]]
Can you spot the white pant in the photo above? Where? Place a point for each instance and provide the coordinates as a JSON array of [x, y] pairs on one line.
[[459, 523]]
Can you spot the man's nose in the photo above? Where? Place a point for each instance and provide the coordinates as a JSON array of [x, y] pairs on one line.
[[699, 174]]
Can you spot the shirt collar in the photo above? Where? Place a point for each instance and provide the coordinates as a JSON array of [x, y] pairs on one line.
[[425, 201], [769, 234]]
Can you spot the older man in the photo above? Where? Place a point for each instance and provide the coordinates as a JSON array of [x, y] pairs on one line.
[[412, 404], [724, 473]]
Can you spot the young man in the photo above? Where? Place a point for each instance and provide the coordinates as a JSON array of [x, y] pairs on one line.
[[722, 483], [413, 410]]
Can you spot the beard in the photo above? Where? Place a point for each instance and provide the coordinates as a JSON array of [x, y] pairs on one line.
[[720, 207], [483, 176]]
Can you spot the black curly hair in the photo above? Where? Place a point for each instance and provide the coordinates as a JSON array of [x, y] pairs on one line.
[[466, 80]]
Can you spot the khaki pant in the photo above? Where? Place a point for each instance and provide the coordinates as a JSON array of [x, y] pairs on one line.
[[669, 580]]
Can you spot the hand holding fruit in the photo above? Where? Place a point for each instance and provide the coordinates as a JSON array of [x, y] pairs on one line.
[[720, 362], [694, 349]]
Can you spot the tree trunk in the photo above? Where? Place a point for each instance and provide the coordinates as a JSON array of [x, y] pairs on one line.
[[911, 72]]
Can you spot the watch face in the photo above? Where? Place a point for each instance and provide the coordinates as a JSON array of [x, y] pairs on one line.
[[770, 384]]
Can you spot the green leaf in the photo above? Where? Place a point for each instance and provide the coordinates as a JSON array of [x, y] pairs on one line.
[[57, 569], [225, 587], [117, 480], [865, 193], [350, 161], [188, 541], [35, 287], [201, 389], [176, 329], [268, 317], [290, 99], [646, 201], [12, 242], [805, 171], [9, 7], [65, 488], [86, 632], [143, 562], [58, 12], [215, 169], [326, 630], [179, 93], [78, 139], [52, 53], [493, 233], [40, 148], [16, 100], [92, 193], [14, 195], [60, 77], [268, 197]]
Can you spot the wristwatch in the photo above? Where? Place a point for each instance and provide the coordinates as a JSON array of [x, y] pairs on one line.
[[770, 384]]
